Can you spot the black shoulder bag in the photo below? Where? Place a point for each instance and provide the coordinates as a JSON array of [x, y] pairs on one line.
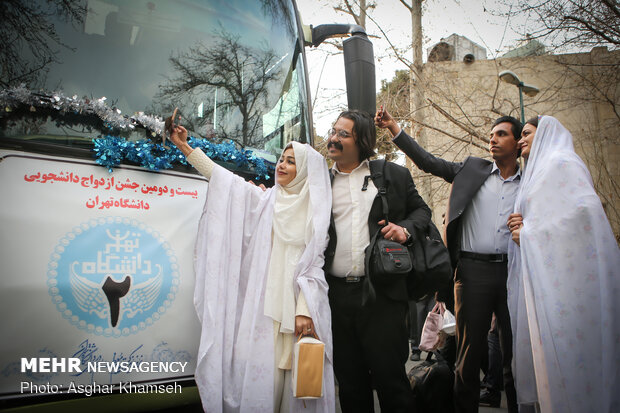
[[384, 259], [431, 263]]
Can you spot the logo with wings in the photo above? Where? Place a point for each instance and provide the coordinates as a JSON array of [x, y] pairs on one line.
[[113, 276]]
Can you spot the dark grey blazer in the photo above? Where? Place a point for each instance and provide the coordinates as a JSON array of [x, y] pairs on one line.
[[466, 178], [406, 208]]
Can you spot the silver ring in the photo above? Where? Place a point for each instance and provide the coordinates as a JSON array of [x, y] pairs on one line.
[[391, 238], [309, 329]]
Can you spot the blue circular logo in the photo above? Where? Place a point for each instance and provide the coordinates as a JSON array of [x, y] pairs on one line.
[[112, 276]]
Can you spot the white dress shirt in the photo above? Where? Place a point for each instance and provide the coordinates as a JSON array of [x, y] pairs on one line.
[[484, 228], [351, 206]]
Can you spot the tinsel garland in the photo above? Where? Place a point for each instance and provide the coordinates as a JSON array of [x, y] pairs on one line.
[[112, 118], [110, 151]]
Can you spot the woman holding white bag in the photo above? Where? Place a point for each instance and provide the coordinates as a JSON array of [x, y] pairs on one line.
[[259, 281]]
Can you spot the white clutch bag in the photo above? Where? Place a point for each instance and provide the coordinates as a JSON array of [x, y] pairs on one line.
[[308, 359]]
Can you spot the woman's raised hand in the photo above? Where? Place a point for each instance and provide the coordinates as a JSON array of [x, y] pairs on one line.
[[178, 136]]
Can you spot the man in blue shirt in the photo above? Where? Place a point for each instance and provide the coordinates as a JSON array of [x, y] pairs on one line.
[[482, 197]]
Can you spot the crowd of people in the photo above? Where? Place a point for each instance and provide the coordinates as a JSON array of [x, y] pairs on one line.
[[531, 249]]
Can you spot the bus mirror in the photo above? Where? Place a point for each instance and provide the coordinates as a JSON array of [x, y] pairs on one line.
[[359, 62], [359, 68]]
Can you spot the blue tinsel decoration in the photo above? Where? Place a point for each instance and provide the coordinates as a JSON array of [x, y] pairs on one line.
[[110, 151]]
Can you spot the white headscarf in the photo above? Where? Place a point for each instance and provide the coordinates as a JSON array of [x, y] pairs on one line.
[[564, 284], [292, 230], [235, 366]]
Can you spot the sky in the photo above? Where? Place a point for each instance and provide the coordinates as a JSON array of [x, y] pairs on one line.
[[440, 18]]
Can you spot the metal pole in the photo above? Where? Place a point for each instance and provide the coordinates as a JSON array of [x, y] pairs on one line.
[[521, 102]]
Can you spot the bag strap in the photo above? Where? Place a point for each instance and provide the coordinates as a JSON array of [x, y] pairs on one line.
[[382, 190], [369, 294], [439, 308], [442, 308], [311, 335], [383, 194]]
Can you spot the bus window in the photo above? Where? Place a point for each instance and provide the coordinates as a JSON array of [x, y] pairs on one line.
[[232, 67]]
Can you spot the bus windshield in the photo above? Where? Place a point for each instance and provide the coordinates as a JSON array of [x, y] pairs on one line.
[[233, 68]]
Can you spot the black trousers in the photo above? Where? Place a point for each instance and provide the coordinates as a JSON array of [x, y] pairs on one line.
[[480, 291], [370, 350], [492, 367]]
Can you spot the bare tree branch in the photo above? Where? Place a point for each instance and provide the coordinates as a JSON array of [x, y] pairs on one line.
[[456, 138], [406, 5], [593, 29], [36, 37], [457, 122], [243, 73], [568, 23], [394, 49]]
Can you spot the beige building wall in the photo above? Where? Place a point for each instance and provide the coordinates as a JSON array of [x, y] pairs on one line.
[[581, 90]]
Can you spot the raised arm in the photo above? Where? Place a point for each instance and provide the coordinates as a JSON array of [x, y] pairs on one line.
[[196, 157], [418, 213], [423, 159]]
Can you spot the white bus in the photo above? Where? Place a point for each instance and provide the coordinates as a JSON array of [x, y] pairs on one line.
[[99, 214]]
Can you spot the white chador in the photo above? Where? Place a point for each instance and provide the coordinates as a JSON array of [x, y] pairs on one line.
[[258, 254], [564, 284]]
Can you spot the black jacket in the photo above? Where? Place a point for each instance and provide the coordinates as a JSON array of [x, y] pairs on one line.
[[406, 208], [466, 178]]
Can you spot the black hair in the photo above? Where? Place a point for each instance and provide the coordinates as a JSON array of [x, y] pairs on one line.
[[533, 121], [516, 125], [364, 131]]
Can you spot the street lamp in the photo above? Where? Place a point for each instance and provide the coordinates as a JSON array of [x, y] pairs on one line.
[[512, 78]]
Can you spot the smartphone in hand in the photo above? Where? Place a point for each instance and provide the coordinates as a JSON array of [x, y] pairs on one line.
[[169, 124], [380, 115]]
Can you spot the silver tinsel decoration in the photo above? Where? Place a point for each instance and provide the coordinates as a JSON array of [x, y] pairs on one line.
[[111, 117]]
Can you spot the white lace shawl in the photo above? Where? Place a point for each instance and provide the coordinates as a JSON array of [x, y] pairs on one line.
[[235, 368], [564, 284]]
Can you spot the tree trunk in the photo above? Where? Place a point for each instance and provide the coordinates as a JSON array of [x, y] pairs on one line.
[[416, 84], [362, 13]]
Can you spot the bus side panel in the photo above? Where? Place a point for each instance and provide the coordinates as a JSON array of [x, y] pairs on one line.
[[96, 266]]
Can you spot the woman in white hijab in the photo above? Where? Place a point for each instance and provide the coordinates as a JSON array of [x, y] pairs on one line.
[[563, 282], [260, 282]]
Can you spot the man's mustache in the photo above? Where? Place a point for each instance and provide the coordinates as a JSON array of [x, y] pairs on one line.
[[335, 144]]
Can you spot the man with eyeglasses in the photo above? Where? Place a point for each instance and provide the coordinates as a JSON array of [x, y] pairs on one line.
[[370, 341]]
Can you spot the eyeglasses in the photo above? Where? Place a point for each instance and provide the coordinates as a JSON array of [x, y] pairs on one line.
[[341, 133]]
